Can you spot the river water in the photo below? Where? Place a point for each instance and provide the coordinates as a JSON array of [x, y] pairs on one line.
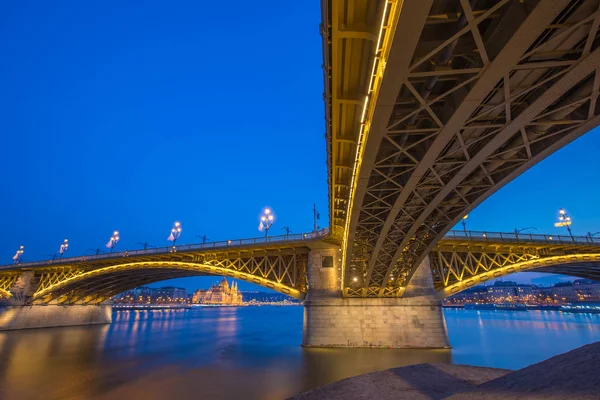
[[251, 353]]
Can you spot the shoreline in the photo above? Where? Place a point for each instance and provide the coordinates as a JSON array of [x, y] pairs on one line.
[[192, 306]]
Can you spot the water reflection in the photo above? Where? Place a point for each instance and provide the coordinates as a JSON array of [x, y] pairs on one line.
[[250, 352], [514, 339]]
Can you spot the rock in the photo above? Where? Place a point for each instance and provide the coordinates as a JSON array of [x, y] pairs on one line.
[[572, 375], [422, 381]]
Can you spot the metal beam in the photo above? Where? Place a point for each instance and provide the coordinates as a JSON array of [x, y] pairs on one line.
[[576, 74], [411, 20], [531, 28]]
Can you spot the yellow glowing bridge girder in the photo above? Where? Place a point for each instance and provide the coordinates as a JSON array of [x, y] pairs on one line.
[[201, 268], [6, 281], [526, 266]]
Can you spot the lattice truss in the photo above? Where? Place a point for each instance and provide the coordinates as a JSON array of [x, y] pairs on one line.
[[349, 31], [458, 269], [7, 280], [284, 271], [450, 267], [490, 91]]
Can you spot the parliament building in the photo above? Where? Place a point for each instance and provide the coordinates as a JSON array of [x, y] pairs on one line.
[[219, 294]]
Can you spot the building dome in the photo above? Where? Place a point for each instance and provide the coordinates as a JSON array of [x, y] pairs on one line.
[[224, 284]]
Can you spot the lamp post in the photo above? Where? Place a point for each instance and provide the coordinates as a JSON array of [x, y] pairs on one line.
[[175, 233], [564, 220], [18, 254], [591, 235], [96, 251], [114, 239], [287, 231], [266, 221], [63, 247], [464, 223], [517, 231]]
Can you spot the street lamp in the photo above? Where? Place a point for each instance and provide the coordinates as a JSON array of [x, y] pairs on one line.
[[63, 247], [464, 222], [114, 239], [18, 254], [564, 220], [175, 233], [266, 221]]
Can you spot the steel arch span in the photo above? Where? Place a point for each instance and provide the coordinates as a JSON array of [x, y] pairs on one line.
[[455, 272], [85, 282], [95, 286], [456, 100]]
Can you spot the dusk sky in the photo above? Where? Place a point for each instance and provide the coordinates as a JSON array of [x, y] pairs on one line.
[[130, 116]]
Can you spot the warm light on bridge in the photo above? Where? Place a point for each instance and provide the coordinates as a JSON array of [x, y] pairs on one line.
[[112, 242], [266, 221], [64, 247]]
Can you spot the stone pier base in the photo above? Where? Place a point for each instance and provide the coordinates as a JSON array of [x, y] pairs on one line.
[[26, 317], [396, 323], [330, 320]]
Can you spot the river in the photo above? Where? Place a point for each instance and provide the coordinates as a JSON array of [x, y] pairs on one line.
[[251, 353]]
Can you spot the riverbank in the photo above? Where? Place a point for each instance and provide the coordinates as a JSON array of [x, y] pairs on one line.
[[572, 375]]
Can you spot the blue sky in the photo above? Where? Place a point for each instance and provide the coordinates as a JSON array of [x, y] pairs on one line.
[[118, 115]]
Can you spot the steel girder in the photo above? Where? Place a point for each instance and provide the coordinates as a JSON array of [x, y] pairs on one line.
[[488, 91], [350, 30], [282, 269], [7, 280], [455, 271]]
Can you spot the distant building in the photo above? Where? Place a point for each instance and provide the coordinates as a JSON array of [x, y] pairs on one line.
[[578, 290], [198, 296], [141, 295], [147, 295], [169, 295], [511, 291], [223, 294]]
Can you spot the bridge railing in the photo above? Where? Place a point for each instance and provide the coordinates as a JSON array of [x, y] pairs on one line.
[[223, 244], [522, 237], [300, 237]]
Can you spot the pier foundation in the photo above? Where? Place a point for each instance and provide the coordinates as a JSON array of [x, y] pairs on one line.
[[46, 316], [413, 321], [18, 312]]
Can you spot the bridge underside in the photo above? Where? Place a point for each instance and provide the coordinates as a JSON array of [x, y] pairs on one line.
[[463, 97], [456, 268], [94, 281]]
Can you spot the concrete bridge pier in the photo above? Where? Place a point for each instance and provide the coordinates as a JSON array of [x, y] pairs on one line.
[[413, 321], [19, 312]]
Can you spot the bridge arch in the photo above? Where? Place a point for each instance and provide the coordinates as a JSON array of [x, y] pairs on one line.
[[588, 267], [97, 285]]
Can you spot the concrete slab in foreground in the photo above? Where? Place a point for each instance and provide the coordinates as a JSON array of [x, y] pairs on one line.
[[572, 375]]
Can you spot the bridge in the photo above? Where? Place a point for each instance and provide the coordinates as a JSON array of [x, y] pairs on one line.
[[431, 106], [459, 261]]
